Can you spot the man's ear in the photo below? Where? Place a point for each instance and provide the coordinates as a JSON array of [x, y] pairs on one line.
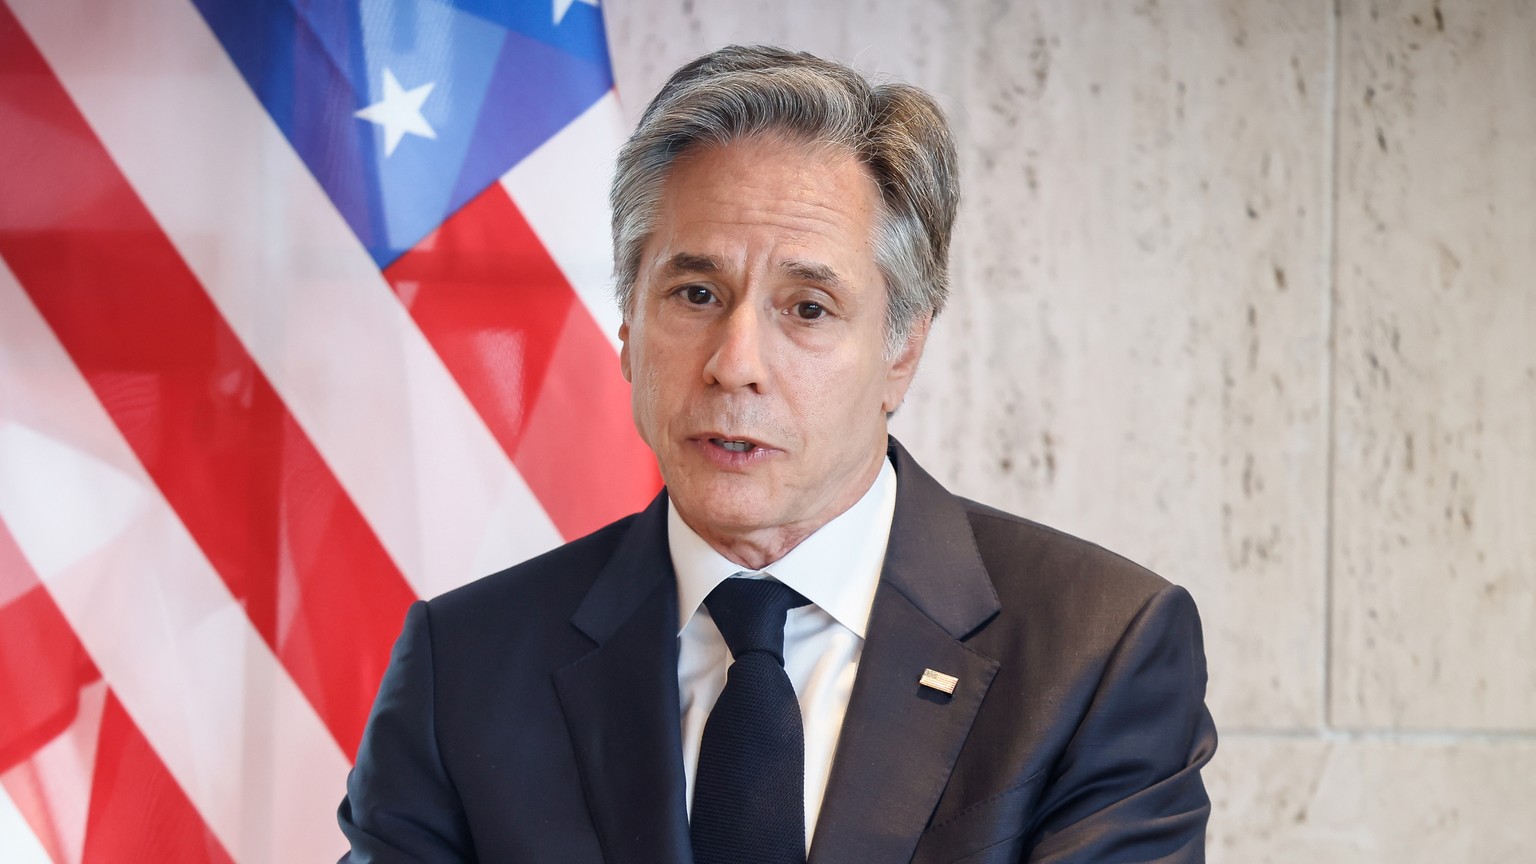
[[624, 352], [899, 374]]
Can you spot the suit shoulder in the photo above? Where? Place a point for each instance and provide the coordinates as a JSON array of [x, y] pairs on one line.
[[1024, 556], [552, 582]]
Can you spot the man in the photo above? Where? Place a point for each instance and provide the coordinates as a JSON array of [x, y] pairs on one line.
[[943, 683]]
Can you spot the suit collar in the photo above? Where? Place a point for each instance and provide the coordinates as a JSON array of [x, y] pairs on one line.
[[900, 740], [932, 559], [621, 701], [638, 567]]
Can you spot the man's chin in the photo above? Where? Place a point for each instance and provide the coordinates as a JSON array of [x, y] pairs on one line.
[[725, 511]]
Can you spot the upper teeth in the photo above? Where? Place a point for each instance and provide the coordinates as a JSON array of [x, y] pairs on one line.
[[736, 446]]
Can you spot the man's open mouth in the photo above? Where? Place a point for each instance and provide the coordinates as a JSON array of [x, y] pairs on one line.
[[735, 445]]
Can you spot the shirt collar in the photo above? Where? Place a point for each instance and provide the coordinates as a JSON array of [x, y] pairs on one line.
[[837, 567]]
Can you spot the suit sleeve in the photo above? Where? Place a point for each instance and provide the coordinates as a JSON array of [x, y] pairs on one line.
[[401, 805], [1128, 786]]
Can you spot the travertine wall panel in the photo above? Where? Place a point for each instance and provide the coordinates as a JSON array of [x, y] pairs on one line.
[[1137, 354], [1435, 567], [1374, 801], [1135, 351]]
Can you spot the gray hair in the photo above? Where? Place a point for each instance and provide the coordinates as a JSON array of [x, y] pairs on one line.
[[895, 130]]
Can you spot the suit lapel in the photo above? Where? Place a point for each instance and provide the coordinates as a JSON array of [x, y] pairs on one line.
[[621, 701], [899, 739]]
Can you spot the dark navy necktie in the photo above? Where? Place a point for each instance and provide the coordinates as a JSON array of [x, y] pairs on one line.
[[749, 788]]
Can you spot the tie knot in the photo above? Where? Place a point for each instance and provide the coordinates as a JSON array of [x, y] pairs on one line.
[[750, 614]]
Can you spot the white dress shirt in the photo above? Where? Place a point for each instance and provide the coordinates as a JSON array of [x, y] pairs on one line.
[[837, 569]]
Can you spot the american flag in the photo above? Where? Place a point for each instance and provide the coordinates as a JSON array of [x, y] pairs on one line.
[[304, 314]]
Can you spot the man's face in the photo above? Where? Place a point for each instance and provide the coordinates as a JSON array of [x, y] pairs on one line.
[[756, 343]]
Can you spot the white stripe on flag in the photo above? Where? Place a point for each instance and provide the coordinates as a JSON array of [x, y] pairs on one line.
[[17, 841], [295, 285], [562, 190], [64, 769], [177, 649]]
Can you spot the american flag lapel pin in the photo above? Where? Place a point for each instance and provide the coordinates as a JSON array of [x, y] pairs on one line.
[[939, 681]]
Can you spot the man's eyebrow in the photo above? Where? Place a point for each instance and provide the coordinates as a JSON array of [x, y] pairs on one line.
[[819, 274], [686, 262]]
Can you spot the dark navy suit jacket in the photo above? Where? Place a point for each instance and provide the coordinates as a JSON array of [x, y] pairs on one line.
[[532, 716]]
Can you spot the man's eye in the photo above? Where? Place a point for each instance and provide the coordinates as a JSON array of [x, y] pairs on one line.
[[809, 310], [698, 295]]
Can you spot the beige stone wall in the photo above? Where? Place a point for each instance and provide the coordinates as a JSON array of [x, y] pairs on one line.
[[1247, 292]]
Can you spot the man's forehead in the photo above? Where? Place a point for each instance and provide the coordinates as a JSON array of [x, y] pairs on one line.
[[793, 168], [692, 263]]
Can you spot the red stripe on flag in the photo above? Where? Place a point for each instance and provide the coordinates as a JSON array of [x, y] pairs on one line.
[[42, 668], [137, 810], [201, 417], [42, 663], [530, 358]]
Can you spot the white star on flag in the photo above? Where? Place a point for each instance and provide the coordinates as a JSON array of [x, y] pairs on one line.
[[399, 112], [564, 6]]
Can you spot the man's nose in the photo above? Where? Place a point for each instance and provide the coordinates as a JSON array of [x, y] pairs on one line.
[[738, 360]]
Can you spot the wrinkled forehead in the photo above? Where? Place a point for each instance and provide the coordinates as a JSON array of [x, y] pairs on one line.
[[816, 208]]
